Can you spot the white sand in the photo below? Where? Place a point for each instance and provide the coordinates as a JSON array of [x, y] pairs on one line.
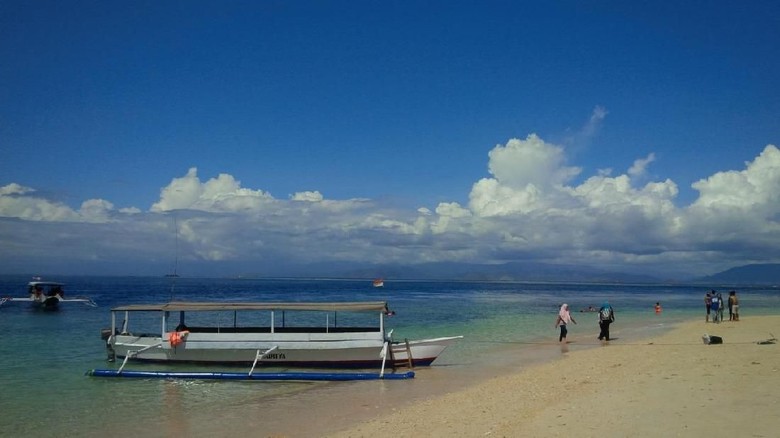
[[672, 385]]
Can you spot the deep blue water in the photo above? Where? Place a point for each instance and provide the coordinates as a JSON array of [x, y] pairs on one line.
[[43, 355]]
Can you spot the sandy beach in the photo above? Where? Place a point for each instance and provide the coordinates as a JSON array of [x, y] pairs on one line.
[[670, 385]]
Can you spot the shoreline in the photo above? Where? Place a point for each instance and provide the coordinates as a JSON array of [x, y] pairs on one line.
[[341, 405], [665, 385]]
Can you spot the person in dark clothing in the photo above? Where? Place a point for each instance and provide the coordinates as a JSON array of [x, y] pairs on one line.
[[715, 305], [606, 317]]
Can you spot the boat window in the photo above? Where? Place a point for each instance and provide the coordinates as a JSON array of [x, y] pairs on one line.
[[252, 321]]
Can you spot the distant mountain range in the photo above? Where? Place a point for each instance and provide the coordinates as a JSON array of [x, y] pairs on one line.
[[748, 274]]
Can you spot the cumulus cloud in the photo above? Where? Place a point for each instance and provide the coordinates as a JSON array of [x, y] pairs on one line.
[[521, 163], [756, 188], [14, 189], [529, 208], [739, 210], [526, 173], [314, 196], [21, 202], [223, 193]]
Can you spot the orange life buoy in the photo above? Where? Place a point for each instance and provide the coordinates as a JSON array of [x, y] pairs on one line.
[[176, 338]]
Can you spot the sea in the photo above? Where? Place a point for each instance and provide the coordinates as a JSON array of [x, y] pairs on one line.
[[44, 355]]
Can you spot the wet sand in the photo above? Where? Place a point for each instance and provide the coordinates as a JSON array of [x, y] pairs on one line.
[[668, 385]]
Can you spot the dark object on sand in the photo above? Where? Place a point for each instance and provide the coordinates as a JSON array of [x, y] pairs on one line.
[[709, 340]]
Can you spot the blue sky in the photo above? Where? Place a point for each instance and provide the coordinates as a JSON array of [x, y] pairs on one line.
[[622, 135]]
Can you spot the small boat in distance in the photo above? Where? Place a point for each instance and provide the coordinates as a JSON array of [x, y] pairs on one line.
[[46, 295], [289, 334], [379, 282]]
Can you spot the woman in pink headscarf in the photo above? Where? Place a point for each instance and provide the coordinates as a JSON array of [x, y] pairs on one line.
[[564, 317]]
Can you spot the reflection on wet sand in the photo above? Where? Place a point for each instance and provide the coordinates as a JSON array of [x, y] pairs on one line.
[[173, 411]]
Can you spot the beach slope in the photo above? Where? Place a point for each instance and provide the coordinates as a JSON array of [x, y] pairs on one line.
[[671, 385]]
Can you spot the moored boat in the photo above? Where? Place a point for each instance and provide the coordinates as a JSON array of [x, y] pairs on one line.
[[47, 295], [335, 335], [379, 282]]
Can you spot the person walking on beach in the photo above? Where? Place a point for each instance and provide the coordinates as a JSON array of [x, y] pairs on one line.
[[733, 306], [564, 317], [708, 305], [606, 317]]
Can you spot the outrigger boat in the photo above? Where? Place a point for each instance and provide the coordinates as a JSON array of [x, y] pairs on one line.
[[332, 335], [47, 295]]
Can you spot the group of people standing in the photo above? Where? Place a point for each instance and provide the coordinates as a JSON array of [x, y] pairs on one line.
[[606, 317], [713, 303]]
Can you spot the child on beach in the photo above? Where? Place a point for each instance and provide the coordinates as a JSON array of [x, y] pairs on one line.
[[564, 317]]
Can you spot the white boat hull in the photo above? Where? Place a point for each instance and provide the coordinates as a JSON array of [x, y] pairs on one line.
[[290, 339], [319, 350]]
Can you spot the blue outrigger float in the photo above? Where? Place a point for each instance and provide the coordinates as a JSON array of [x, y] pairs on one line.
[[307, 376]]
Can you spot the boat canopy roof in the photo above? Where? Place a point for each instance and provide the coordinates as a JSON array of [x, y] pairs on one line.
[[44, 283], [365, 306]]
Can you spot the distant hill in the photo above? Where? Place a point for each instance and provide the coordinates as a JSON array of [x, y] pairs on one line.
[[748, 274]]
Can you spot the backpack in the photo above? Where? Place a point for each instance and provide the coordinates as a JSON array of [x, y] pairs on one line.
[[605, 314], [715, 303]]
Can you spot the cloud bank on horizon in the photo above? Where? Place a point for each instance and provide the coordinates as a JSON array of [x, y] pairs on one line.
[[534, 206]]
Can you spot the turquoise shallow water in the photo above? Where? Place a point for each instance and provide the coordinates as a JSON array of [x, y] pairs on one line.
[[44, 355]]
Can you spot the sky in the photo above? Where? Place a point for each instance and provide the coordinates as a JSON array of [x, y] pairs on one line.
[[241, 137]]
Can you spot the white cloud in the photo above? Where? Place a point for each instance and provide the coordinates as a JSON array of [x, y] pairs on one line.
[[21, 202], [527, 175], [447, 217], [739, 211], [96, 210], [594, 123], [223, 193], [757, 188], [587, 132], [314, 196], [490, 198], [521, 163], [14, 189], [639, 169], [529, 208]]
